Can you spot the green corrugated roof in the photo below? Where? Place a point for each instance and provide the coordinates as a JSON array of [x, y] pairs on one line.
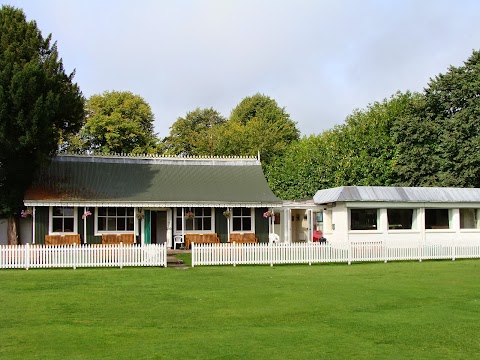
[[96, 179]]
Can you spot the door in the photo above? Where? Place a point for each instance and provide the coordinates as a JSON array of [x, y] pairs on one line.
[[159, 226]]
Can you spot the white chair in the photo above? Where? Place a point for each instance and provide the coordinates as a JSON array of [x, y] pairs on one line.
[[178, 239], [273, 238]]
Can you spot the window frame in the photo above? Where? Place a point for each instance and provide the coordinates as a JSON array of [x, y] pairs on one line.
[[99, 232], [414, 223], [50, 221], [177, 216], [377, 221], [449, 216], [252, 221], [476, 219]]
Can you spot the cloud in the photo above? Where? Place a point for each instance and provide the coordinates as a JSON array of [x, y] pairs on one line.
[[319, 59]]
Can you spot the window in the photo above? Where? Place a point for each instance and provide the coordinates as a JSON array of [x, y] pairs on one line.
[[242, 219], [196, 219], [115, 219], [363, 219], [469, 219], [63, 220], [437, 219], [401, 219]]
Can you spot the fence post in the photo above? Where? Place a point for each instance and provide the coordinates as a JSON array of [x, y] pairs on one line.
[[74, 257], [270, 253], [453, 249], [349, 252], [384, 243], [165, 254], [192, 246], [120, 258], [233, 252], [27, 256]]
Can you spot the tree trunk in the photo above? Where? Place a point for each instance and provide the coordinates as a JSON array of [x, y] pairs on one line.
[[12, 233]]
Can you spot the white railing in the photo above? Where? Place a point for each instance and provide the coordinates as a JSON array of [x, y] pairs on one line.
[[73, 256], [309, 253]]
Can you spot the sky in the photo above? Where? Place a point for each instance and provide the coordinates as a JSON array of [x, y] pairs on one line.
[[319, 60]]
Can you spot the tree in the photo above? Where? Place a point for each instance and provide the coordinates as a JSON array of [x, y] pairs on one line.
[[38, 103], [439, 140], [257, 123], [195, 134], [116, 122]]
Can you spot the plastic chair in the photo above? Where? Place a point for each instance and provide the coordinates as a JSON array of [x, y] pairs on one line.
[[178, 239]]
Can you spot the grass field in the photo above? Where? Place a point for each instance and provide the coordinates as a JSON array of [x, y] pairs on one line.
[[405, 310]]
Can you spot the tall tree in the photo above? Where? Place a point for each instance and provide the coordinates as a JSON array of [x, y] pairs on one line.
[[38, 103], [258, 123], [195, 134], [116, 122], [439, 141]]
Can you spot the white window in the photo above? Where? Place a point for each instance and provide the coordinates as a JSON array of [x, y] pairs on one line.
[[363, 219], [115, 219], [469, 219], [62, 220], [401, 219], [437, 219], [242, 220], [196, 219]]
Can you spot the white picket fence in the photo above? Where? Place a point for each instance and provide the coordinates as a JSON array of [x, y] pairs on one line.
[[310, 253], [73, 256]]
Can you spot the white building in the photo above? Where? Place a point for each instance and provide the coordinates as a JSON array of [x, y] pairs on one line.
[[400, 215]]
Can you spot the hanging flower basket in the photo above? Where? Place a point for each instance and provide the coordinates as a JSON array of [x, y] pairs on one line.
[[189, 215], [227, 213], [86, 214], [26, 213], [140, 214], [268, 214]]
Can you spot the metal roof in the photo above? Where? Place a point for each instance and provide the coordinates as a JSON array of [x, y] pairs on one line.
[[167, 181], [397, 194]]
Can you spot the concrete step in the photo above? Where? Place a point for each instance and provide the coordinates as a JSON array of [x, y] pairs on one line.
[[173, 262]]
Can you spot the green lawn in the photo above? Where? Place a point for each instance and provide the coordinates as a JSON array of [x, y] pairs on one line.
[[405, 310]]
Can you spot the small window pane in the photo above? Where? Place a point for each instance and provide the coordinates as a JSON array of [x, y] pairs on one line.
[[179, 223], [247, 224], [198, 223], [57, 211], [207, 223], [112, 211], [237, 211], [68, 225], [129, 211], [120, 224], [363, 219], [207, 211], [101, 224], [198, 211], [111, 224], [237, 224], [121, 211], [189, 224], [400, 219], [436, 219], [102, 211], [57, 225], [245, 211], [68, 211], [179, 211], [130, 223], [469, 219]]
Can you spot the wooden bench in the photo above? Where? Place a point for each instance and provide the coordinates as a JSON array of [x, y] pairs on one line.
[[201, 239], [62, 239], [118, 238], [243, 238]]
